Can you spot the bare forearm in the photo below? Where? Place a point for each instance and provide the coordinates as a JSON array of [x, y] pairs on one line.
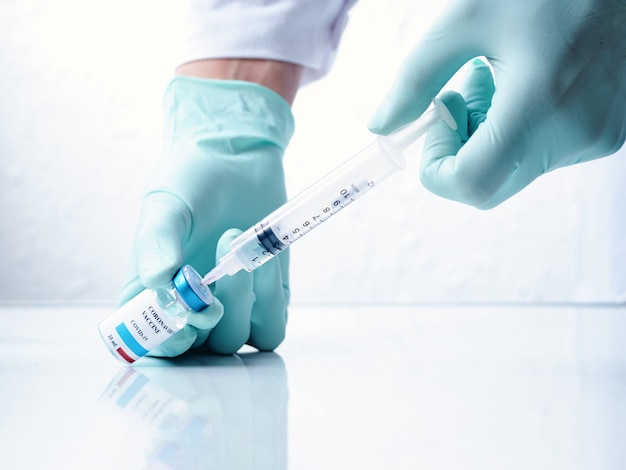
[[281, 77]]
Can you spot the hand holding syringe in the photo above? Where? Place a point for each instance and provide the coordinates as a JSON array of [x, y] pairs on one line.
[[325, 198]]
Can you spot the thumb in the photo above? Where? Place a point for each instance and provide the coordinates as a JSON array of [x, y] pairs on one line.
[[164, 226], [424, 72]]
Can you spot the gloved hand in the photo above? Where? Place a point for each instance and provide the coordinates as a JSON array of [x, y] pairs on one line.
[[559, 67], [221, 168]]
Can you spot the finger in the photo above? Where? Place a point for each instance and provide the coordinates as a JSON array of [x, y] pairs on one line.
[[176, 344], [442, 51], [269, 314], [205, 321], [478, 90], [494, 163], [207, 318], [442, 141], [237, 296]]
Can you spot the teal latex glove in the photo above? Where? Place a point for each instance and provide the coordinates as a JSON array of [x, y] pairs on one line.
[[560, 71], [221, 168]]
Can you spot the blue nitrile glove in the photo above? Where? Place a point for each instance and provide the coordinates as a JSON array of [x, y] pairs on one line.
[[560, 71], [221, 168]]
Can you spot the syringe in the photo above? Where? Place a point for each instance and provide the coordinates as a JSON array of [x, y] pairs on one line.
[[327, 197]]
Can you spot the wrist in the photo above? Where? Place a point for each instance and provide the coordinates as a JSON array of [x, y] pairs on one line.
[[280, 77], [226, 111]]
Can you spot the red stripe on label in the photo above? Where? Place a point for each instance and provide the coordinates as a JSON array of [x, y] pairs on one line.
[[126, 357], [129, 373]]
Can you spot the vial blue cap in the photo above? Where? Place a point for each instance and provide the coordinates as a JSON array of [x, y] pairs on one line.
[[189, 285]]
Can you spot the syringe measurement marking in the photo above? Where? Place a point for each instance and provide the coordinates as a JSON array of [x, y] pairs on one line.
[[272, 241], [346, 197]]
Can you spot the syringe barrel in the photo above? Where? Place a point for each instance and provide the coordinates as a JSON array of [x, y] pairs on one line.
[[318, 203]]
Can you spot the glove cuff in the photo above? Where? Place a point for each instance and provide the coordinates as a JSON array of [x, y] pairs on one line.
[[227, 110]]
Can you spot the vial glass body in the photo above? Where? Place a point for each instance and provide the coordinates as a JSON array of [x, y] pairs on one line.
[[153, 316], [143, 323]]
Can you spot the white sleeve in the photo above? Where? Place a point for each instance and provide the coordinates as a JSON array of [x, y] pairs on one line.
[[305, 32]]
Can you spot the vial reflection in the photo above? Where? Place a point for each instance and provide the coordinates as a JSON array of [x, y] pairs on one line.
[[207, 412]]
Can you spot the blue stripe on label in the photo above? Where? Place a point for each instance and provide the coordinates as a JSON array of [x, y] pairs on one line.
[[130, 341], [132, 390]]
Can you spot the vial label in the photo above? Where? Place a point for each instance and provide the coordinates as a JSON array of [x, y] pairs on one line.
[[143, 400], [139, 326]]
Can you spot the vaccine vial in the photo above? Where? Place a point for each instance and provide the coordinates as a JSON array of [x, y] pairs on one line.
[[154, 315]]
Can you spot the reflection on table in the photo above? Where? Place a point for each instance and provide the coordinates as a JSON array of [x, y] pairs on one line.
[[206, 412]]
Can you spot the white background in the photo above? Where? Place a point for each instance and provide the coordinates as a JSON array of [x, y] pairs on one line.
[[80, 95]]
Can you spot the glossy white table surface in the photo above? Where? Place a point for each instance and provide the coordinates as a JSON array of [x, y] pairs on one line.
[[419, 387]]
